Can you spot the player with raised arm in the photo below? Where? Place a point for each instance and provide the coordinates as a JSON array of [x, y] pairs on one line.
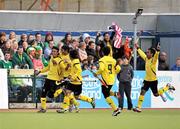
[[108, 70], [150, 80]]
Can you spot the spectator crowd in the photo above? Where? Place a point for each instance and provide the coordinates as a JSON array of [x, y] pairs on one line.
[[32, 52]]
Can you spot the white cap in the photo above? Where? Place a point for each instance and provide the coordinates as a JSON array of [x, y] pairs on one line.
[[85, 35]]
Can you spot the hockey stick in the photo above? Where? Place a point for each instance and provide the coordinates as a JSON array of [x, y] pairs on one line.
[[102, 81]]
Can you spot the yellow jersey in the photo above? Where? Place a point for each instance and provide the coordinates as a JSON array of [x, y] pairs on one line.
[[76, 71], [150, 65], [108, 69], [67, 61], [54, 69]]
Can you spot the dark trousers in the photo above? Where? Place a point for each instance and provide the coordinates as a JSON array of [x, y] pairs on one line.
[[125, 87]]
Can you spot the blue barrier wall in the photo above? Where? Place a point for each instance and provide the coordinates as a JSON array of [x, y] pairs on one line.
[[92, 88]]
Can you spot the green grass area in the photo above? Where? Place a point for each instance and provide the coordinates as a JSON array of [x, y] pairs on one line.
[[92, 119]]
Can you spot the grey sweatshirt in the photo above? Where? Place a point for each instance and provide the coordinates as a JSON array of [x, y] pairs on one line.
[[126, 74]]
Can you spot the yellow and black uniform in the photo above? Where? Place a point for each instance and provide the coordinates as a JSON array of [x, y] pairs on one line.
[[150, 80], [75, 84], [108, 70], [54, 74], [76, 77], [67, 61]]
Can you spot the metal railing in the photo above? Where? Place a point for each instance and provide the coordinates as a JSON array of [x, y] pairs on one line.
[[25, 87]]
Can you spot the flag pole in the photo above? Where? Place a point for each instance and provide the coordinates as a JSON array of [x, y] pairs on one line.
[[137, 14]]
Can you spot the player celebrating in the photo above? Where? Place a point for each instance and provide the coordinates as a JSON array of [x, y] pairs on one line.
[[108, 70], [69, 97], [75, 84], [150, 81], [54, 74]]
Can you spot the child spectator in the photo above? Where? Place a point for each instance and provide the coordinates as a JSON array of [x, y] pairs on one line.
[[176, 67], [6, 63]]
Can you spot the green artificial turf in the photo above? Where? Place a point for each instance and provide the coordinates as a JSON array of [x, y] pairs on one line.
[[92, 119]]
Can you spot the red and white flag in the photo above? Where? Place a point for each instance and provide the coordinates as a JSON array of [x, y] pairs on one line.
[[118, 36]]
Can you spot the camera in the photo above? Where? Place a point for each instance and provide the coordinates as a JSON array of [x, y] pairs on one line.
[[139, 12], [110, 27]]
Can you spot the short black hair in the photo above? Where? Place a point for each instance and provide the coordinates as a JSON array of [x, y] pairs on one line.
[[37, 34], [91, 42], [74, 54], [56, 48], [106, 50], [152, 50], [65, 47], [105, 33]]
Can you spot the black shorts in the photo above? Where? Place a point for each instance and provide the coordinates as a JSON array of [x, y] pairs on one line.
[[106, 91], [49, 88], [76, 89], [150, 84]]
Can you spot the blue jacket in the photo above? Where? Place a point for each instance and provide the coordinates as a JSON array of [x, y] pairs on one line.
[[175, 68]]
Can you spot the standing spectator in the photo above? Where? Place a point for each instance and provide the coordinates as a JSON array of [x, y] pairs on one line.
[[163, 61], [125, 77], [1, 55], [91, 50], [67, 39], [39, 41], [12, 36], [106, 42], [2, 39], [86, 38], [98, 51], [82, 51], [48, 50], [21, 60], [176, 67], [22, 39], [6, 63]]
